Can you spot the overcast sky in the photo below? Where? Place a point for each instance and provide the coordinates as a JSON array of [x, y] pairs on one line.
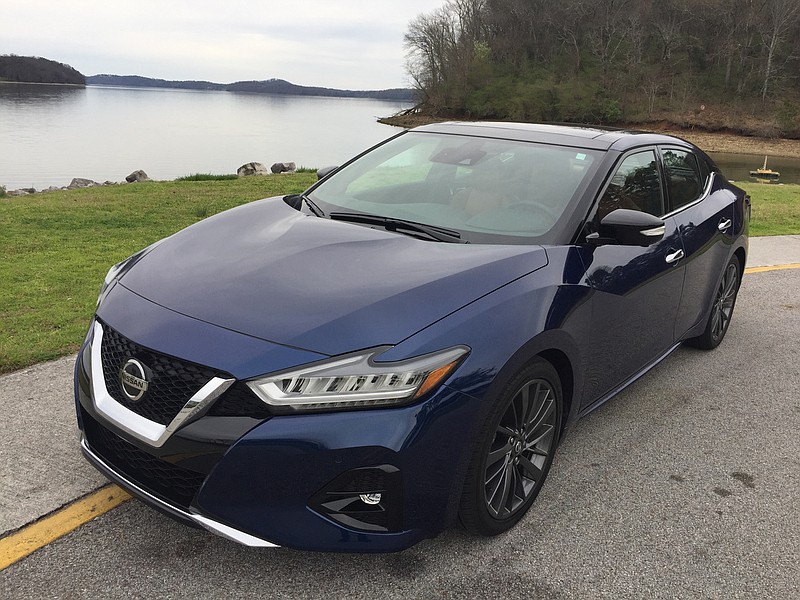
[[350, 44]]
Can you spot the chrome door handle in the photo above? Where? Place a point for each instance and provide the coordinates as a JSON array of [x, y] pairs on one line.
[[674, 256], [724, 225]]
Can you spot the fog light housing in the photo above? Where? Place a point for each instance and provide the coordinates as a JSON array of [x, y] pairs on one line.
[[365, 499]]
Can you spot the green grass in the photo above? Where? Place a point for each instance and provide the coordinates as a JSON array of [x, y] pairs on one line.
[[776, 208], [57, 247]]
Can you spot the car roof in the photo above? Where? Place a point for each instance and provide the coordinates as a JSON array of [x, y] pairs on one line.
[[582, 136]]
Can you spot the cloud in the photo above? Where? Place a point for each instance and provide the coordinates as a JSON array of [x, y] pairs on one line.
[[347, 43]]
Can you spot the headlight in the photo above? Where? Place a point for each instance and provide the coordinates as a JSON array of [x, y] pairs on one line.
[[111, 276], [115, 271], [357, 381]]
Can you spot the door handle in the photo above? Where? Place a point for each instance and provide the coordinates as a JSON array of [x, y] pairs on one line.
[[724, 225], [674, 257]]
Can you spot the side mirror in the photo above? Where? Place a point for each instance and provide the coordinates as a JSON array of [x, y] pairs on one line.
[[325, 171], [629, 228]]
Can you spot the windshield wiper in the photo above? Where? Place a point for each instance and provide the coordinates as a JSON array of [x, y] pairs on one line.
[[312, 206], [432, 232]]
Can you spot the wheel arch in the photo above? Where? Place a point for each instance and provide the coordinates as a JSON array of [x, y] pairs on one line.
[[563, 366], [559, 349], [740, 254]]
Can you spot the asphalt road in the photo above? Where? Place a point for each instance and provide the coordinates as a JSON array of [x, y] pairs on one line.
[[686, 485]]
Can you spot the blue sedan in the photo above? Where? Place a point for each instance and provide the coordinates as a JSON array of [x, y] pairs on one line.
[[402, 347]]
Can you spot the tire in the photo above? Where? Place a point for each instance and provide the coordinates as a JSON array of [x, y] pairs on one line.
[[721, 308], [514, 452]]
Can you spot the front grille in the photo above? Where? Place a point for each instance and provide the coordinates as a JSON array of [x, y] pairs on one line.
[[171, 382], [239, 401], [170, 482]]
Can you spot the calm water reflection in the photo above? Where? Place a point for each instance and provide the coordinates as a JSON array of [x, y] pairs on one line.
[[50, 134], [738, 166]]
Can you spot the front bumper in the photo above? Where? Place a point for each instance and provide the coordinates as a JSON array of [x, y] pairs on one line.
[[257, 480], [172, 510]]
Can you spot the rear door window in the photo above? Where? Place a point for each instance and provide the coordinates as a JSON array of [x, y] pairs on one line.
[[684, 180]]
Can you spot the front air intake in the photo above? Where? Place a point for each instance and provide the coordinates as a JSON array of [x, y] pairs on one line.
[[369, 499]]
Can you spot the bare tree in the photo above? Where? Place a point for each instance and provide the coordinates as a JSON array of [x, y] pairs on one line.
[[779, 17], [430, 40], [441, 48]]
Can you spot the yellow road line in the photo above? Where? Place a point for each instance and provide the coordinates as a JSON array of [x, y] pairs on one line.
[[20, 544], [772, 268]]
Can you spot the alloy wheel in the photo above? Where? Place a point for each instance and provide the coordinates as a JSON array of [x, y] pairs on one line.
[[523, 441], [724, 301]]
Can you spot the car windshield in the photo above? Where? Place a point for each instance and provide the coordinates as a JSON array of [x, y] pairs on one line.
[[488, 190]]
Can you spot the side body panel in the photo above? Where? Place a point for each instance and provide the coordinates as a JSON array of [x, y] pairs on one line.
[[708, 229]]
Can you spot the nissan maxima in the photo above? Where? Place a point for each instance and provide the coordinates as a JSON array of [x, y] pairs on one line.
[[402, 347]]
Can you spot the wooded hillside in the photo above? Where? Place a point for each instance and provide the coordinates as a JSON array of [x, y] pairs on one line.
[[717, 64], [33, 69]]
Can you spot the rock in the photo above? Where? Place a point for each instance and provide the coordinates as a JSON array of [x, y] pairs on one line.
[[53, 188], [21, 192], [137, 176], [80, 182], [252, 168], [108, 182], [287, 167]]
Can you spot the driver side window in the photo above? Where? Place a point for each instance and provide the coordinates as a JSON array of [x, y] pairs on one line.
[[636, 185]]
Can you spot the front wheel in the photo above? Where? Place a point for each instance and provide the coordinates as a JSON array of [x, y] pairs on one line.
[[515, 451], [722, 308]]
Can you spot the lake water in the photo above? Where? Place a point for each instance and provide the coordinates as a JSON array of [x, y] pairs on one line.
[[50, 134], [737, 167]]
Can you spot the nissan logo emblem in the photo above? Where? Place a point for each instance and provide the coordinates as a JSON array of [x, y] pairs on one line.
[[133, 379]]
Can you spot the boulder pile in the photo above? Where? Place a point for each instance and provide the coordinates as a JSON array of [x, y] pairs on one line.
[[247, 169]]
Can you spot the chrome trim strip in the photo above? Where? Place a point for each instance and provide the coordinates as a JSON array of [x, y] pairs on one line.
[[94, 457], [209, 524], [706, 191], [231, 533], [655, 231], [145, 430]]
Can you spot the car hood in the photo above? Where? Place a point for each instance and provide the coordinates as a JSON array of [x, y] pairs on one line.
[[266, 270]]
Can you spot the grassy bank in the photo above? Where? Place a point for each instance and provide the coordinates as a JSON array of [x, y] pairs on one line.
[[776, 208], [57, 247]]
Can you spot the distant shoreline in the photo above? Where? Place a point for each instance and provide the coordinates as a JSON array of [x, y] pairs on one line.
[[75, 85], [267, 86]]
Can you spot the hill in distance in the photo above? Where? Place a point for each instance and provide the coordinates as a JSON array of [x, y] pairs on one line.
[[34, 69], [269, 86]]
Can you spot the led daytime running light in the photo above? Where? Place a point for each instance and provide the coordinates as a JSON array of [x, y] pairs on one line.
[[357, 381]]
